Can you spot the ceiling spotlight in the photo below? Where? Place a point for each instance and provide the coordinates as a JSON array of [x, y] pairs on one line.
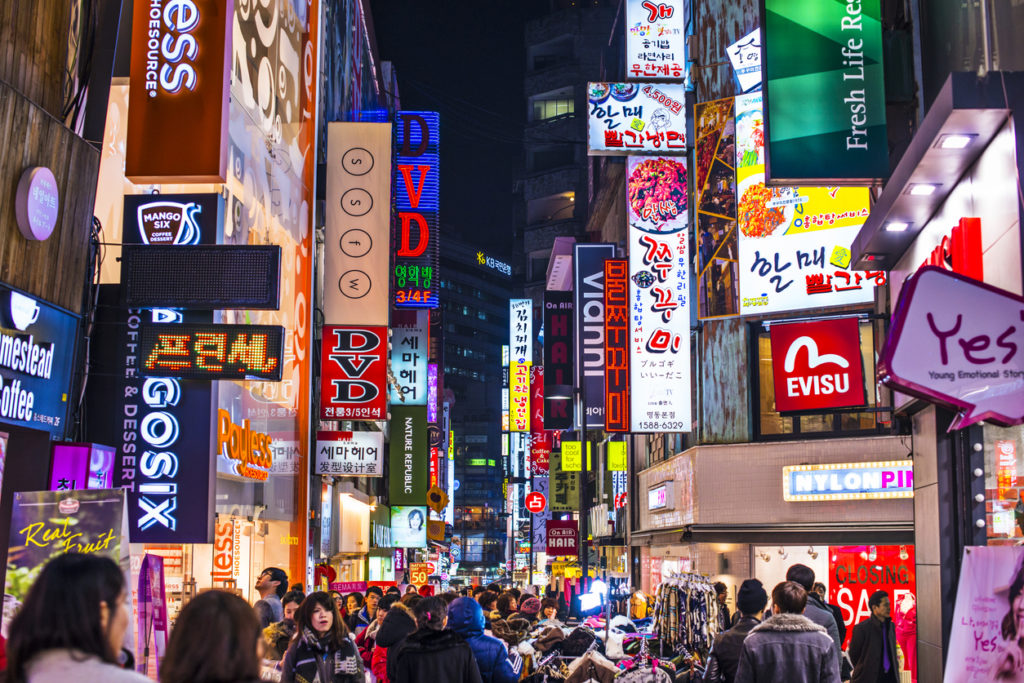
[[896, 226], [955, 141], [922, 189], [812, 552]]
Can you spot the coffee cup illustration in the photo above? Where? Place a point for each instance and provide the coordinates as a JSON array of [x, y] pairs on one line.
[[24, 310], [163, 222]]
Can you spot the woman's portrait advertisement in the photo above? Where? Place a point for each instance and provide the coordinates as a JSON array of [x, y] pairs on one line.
[[987, 641], [409, 526]]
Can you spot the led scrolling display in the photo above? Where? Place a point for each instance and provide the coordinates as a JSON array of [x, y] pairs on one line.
[[198, 351]]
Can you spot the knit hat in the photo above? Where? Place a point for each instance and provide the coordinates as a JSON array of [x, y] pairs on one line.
[[530, 606], [752, 597]]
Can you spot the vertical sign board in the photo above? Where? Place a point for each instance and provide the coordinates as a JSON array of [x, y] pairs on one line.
[[558, 359], [407, 456], [357, 249], [540, 535], [659, 295], [829, 53], [588, 265], [354, 373], [656, 39], [636, 118], [519, 397], [565, 487], [417, 207], [794, 242], [540, 438], [178, 94], [616, 345], [409, 340], [520, 330]]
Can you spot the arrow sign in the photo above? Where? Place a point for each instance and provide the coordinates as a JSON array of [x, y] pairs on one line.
[[958, 342], [536, 502]]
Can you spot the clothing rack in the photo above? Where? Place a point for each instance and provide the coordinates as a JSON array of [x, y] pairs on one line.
[[686, 613]]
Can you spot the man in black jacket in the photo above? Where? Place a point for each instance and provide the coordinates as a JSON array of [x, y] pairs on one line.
[[873, 644], [837, 612], [725, 653]]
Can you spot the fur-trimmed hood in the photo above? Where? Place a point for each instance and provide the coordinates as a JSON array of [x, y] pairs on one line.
[[788, 623]]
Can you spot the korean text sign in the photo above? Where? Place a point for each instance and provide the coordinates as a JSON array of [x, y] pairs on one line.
[[636, 118], [656, 39], [357, 223], [558, 359], [540, 438], [520, 330], [350, 454], [659, 295], [354, 373], [745, 55], [410, 335], [616, 345], [563, 537], [794, 242], [829, 53], [817, 365], [417, 205], [589, 310], [408, 456], [178, 99], [958, 342]]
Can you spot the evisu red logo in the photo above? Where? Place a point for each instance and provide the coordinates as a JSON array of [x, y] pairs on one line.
[[817, 365]]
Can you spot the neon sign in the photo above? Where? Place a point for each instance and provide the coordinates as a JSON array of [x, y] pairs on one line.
[[170, 46], [417, 203], [247, 451], [211, 351]]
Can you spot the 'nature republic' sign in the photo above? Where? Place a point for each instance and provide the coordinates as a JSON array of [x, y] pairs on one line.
[[828, 52]]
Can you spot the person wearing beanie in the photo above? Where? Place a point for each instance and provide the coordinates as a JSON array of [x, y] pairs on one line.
[[529, 609], [725, 653]]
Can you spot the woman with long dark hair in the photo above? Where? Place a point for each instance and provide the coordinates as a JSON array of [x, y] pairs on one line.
[[215, 639], [434, 653], [72, 624], [321, 647]]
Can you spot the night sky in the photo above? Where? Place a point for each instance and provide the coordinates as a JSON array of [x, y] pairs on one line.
[[466, 61]]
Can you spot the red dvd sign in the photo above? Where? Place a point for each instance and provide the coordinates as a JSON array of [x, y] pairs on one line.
[[817, 365], [353, 382]]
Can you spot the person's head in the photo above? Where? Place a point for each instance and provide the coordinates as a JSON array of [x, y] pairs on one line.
[[431, 613], [529, 607], [516, 593], [319, 614], [477, 590], [487, 600], [410, 589], [449, 597], [272, 580], [506, 603], [789, 597], [338, 599], [548, 608], [416, 520], [297, 588], [393, 590], [290, 604], [494, 587], [819, 588], [77, 602], [879, 605], [384, 605], [373, 596], [353, 602], [1013, 623], [216, 638], [801, 574], [721, 591], [751, 598]]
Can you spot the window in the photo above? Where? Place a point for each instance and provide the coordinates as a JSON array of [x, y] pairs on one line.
[[553, 104], [772, 425]]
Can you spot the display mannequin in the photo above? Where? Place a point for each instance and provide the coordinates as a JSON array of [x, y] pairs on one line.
[[905, 620]]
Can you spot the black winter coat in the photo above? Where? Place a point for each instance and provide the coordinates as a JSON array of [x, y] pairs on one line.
[[435, 656], [866, 649], [725, 653], [391, 635]]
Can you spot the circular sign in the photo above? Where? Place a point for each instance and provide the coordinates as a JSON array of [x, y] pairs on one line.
[[354, 284], [36, 203], [536, 502], [357, 161], [356, 202], [431, 568], [356, 243]]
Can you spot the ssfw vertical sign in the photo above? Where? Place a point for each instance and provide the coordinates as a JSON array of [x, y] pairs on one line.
[[825, 91]]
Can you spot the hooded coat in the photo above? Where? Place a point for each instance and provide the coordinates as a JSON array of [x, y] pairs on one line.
[[396, 627], [466, 618], [435, 656], [788, 648]]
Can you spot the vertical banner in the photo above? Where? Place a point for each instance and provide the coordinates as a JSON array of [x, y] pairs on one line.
[[178, 95], [540, 438], [616, 345], [715, 209], [519, 397], [558, 360], [520, 330], [151, 634], [565, 487], [984, 644], [617, 456], [829, 53], [432, 393], [354, 373], [656, 40], [407, 456], [541, 485], [660, 295], [357, 248], [417, 207], [588, 262], [409, 340], [794, 242]]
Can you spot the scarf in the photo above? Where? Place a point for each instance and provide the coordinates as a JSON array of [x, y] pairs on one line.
[[316, 663]]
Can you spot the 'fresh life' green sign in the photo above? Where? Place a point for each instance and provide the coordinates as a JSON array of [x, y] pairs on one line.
[[825, 91]]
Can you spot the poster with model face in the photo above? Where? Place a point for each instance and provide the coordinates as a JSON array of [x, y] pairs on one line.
[[988, 620], [409, 526]]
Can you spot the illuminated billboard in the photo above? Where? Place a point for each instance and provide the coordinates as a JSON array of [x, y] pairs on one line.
[[636, 118], [417, 203]]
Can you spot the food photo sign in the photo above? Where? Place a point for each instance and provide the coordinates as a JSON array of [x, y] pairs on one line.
[[794, 242], [960, 343], [636, 118]]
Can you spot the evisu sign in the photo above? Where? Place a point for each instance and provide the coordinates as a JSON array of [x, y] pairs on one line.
[[817, 365], [354, 373]]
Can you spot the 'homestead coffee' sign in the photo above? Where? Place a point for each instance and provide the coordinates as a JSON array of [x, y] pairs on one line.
[[960, 343]]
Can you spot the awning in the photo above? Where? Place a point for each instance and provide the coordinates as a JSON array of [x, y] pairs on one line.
[[815, 533]]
